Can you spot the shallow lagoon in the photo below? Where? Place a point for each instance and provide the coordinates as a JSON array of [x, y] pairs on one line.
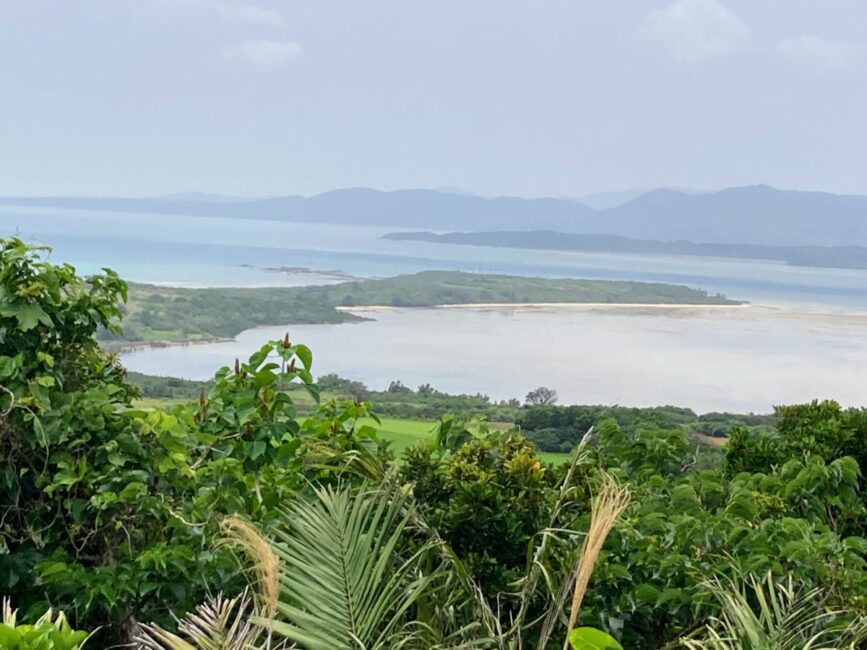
[[710, 359]]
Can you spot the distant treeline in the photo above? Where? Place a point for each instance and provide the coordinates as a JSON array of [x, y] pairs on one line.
[[397, 400], [852, 257], [168, 388], [560, 428], [552, 428], [156, 314]]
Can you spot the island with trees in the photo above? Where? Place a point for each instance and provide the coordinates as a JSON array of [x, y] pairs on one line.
[[160, 314]]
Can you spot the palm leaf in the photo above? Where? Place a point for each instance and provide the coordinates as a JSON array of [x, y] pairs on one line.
[[217, 624], [344, 584], [774, 615]]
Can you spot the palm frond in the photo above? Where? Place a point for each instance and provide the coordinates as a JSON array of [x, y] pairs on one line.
[[217, 624], [344, 584], [9, 615], [775, 615]]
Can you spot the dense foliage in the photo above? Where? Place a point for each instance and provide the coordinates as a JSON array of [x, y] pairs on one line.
[[111, 512], [559, 428], [786, 501], [488, 498], [690, 525], [103, 504]]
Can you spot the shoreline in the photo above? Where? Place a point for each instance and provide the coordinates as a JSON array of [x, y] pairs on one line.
[[125, 347], [545, 305], [855, 318]]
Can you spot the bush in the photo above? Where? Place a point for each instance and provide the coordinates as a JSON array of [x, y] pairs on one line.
[[488, 500]]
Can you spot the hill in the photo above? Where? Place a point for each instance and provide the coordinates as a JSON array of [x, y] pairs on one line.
[[353, 206], [743, 215]]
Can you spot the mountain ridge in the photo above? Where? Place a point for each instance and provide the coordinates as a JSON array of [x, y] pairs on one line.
[[753, 214]]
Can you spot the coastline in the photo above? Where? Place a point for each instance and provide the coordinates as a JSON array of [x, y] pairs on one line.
[[545, 305], [124, 347]]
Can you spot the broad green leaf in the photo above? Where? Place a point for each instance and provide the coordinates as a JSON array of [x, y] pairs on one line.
[[305, 355], [29, 316], [589, 638], [8, 365]]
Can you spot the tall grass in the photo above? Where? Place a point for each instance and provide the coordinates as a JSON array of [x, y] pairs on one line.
[[609, 504]]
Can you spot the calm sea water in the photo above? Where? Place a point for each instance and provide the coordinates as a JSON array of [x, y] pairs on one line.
[[737, 359], [813, 343], [233, 252]]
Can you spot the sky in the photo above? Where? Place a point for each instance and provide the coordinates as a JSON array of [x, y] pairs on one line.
[[497, 97]]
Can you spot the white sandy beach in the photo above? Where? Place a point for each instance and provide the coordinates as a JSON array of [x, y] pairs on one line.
[[521, 306]]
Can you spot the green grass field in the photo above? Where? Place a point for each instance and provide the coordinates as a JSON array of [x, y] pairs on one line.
[[402, 434]]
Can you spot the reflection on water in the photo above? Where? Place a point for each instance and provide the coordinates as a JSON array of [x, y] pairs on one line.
[[709, 359]]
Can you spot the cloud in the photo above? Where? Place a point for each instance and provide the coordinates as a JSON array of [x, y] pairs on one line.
[[230, 10], [815, 51], [249, 13], [268, 54], [695, 30]]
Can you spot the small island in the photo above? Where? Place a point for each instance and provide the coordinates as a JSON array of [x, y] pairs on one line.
[[842, 257], [160, 315]]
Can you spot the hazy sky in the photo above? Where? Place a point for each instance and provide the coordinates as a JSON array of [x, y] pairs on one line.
[[542, 97]]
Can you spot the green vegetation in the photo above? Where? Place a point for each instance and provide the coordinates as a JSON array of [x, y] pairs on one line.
[[403, 434], [409, 416], [154, 314], [560, 428], [168, 388], [105, 504], [49, 632], [784, 618], [128, 518]]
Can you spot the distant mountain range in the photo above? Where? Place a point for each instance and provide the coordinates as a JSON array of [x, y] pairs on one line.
[[606, 200], [851, 257], [755, 214], [358, 206]]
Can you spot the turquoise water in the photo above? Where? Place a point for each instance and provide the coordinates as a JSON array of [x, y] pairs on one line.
[[208, 251]]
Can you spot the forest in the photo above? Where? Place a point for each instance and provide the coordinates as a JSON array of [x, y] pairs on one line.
[[240, 515]]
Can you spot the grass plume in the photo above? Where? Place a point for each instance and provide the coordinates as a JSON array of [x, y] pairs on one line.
[[610, 503], [246, 537]]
